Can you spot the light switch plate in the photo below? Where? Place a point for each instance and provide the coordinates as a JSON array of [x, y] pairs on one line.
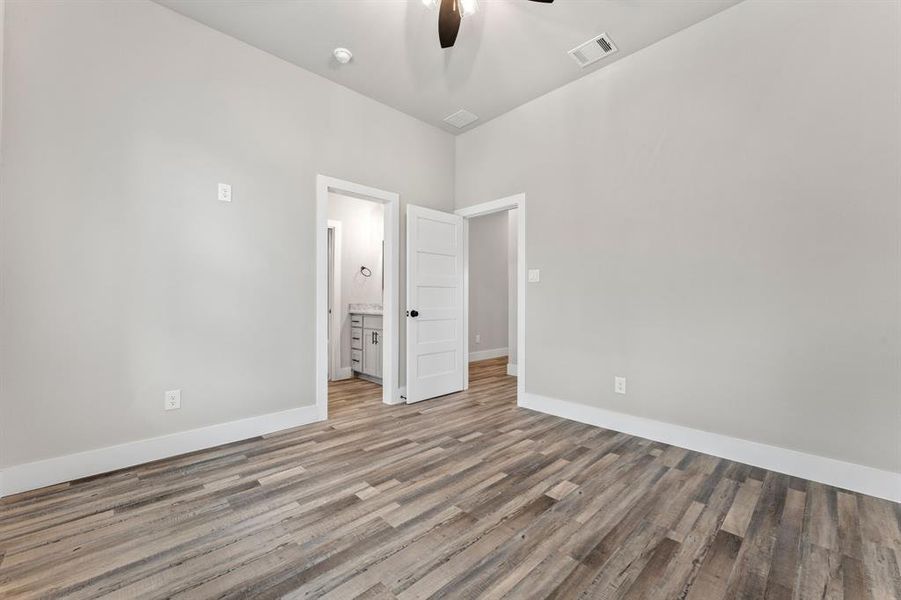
[[225, 192], [534, 275]]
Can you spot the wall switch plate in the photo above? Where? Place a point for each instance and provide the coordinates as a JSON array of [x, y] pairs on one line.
[[478, 338], [173, 400], [619, 385], [225, 192], [534, 275]]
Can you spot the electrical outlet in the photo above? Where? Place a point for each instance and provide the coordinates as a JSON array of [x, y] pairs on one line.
[[478, 338], [173, 400], [619, 385], [225, 192]]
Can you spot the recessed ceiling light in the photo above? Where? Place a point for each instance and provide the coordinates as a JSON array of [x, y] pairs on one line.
[[343, 55]]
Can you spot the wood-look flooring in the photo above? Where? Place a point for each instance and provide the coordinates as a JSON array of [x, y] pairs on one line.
[[465, 496]]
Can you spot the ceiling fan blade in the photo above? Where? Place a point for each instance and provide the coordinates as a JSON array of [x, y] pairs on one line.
[[449, 18]]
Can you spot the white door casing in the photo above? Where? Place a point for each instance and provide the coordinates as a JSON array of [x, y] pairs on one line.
[[334, 299], [517, 201], [435, 336], [387, 342]]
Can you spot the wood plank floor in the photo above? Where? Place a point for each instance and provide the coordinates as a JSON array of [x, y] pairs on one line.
[[462, 497]]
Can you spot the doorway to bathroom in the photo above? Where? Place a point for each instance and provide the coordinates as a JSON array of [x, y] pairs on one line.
[[357, 274], [356, 278]]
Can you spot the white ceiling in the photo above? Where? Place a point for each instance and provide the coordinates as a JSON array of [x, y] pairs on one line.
[[507, 53]]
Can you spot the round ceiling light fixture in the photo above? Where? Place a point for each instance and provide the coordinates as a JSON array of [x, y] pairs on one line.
[[343, 55]]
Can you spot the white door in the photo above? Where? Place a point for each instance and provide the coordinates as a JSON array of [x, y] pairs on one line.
[[434, 303]]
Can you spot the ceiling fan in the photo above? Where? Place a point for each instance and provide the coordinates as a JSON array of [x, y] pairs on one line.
[[451, 13]]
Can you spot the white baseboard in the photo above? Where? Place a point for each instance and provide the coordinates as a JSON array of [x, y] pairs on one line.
[[29, 476], [850, 476], [343, 373], [512, 370], [486, 354]]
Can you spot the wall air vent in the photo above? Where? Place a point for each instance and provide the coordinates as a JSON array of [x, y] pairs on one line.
[[461, 118], [593, 50]]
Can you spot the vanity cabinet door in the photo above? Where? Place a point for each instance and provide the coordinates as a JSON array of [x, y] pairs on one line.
[[378, 354], [372, 355]]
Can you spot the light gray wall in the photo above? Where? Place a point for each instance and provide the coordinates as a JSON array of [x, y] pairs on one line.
[[122, 274], [488, 282], [362, 231], [716, 218]]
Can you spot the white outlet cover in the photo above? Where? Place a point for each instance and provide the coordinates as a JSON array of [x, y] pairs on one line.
[[225, 192], [534, 275], [619, 385], [172, 400]]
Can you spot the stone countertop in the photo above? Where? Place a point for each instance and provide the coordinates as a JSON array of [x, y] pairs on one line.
[[364, 309]]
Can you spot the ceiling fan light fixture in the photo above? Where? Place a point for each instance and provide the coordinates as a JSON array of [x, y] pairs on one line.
[[468, 7], [450, 14]]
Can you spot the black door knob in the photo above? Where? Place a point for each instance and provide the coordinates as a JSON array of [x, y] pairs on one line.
[[414, 313]]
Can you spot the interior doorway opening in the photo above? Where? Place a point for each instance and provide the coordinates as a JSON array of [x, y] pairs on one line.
[[356, 286], [511, 213], [371, 224], [492, 250]]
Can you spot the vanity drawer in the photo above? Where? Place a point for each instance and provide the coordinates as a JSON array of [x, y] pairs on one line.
[[372, 321], [356, 360], [356, 338], [356, 320]]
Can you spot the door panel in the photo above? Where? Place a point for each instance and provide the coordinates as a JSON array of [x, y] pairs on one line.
[[434, 303], [370, 353]]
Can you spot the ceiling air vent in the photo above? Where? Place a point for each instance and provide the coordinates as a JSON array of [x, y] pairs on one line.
[[461, 118], [593, 50]]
